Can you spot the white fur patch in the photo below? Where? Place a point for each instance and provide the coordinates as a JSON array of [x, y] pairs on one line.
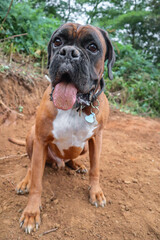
[[70, 129]]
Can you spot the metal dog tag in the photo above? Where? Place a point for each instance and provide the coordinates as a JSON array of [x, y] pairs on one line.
[[90, 118]]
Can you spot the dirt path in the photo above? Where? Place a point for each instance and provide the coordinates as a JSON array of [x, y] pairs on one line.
[[130, 177]]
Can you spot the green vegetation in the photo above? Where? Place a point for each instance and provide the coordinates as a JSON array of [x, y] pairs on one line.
[[25, 19], [136, 86], [133, 27]]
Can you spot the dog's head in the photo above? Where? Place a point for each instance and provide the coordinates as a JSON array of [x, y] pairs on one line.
[[76, 55]]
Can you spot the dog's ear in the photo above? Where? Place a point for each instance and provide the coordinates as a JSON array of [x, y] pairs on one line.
[[110, 54]]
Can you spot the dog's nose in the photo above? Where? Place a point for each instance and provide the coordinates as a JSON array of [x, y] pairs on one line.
[[69, 51]]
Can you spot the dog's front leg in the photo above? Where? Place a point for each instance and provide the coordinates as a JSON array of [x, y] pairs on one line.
[[95, 192], [31, 214]]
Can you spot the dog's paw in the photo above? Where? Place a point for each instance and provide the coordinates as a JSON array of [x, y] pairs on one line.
[[77, 166], [81, 169], [30, 218], [23, 186], [96, 196]]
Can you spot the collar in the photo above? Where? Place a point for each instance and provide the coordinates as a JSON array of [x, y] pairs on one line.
[[84, 100]]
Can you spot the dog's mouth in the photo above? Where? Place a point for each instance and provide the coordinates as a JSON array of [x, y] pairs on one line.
[[66, 94]]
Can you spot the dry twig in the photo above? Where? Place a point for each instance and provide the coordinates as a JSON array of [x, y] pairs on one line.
[[18, 35], [14, 156], [49, 231]]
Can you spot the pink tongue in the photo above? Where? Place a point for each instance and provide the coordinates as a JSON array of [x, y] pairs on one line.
[[64, 95]]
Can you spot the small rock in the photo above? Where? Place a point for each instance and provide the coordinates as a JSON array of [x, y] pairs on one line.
[[134, 234], [69, 195], [20, 210], [103, 214], [52, 198], [110, 202], [56, 201], [147, 148], [141, 190], [127, 182], [45, 215], [119, 181], [66, 233], [135, 181], [126, 208], [56, 225]]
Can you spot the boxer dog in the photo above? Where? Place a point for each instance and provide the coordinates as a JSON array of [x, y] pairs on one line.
[[72, 113]]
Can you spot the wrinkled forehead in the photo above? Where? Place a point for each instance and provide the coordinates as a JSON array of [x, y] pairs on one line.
[[68, 30], [77, 31]]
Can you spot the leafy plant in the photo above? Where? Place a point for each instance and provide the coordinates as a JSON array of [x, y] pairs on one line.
[[136, 85], [24, 19]]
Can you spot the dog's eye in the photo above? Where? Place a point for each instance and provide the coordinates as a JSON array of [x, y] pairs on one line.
[[57, 42], [93, 47]]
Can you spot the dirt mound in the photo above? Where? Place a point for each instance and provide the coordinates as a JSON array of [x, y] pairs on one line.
[[130, 170], [19, 96]]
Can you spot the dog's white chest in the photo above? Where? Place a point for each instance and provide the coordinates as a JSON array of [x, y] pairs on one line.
[[70, 129]]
